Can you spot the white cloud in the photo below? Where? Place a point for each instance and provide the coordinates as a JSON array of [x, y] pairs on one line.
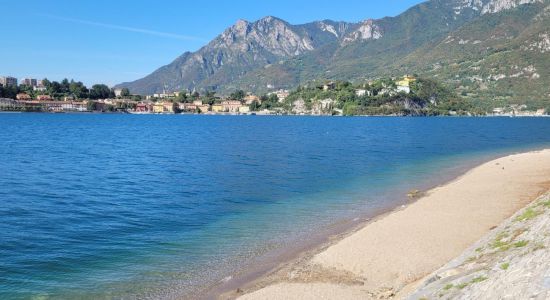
[[126, 28]]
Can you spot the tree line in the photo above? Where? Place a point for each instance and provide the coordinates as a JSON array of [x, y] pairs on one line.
[[64, 88]]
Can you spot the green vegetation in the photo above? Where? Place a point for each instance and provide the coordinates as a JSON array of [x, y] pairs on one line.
[[465, 284], [521, 244], [505, 266], [71, 89], [125, 92], [478, 279], [499, 244], [380, 97], [545, 204], [8, 92], [502, 245], [462, 285], [238, 95], [529, 214], [269, 101]]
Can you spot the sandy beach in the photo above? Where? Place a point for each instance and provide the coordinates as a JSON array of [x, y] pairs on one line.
[[391, 254]]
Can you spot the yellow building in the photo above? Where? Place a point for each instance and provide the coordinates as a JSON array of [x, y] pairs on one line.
[[168, 107], [217, 108], [158, 108], [406, 81], [231, 106], [405, 84], [244, 109], [204, 108]]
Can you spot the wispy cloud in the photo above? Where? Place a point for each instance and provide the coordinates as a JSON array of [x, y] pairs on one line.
[[126, 28]]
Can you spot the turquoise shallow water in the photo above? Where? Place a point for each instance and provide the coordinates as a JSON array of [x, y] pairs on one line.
[[147, 206]]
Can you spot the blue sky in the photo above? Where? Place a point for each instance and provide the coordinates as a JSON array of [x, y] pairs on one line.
[[114, 41]]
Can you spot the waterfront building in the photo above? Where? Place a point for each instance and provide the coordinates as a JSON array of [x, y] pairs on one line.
[[8, 81], [23, 96], [282, 94], [43, 98], [54, 106], [231, 106], [188, 106], [142, 108], [30, 82], [158, 107], [204, 108], [404, 85], [244, 109], [168, 107], [217, 108]]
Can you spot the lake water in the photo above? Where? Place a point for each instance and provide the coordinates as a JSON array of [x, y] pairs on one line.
[[155, 206]]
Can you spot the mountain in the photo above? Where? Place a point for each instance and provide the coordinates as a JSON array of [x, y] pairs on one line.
[[501, 58], [458, 41]]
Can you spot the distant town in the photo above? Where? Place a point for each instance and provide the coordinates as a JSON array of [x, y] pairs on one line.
[[406, 95], [32, 95]]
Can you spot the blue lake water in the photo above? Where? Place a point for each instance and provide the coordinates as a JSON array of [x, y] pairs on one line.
[[153, 206]]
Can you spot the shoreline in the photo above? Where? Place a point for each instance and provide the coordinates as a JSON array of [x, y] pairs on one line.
[[274, 114], [251, 282], [275, 259]]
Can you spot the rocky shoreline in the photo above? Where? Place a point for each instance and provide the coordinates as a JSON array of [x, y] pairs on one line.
[[511, 262]]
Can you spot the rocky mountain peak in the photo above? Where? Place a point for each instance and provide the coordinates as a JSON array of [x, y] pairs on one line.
[[241, 25], [367, 30], [338, 29], [268, 34], [495, 6], [490, 6]]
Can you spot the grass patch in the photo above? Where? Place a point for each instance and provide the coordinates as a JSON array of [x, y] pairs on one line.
[[505, 266], [521, 244], [499, 244], [479, 249], [479, 279], [448, 286], [462, 285], [502, 235], [528, 215], [545, 204]]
